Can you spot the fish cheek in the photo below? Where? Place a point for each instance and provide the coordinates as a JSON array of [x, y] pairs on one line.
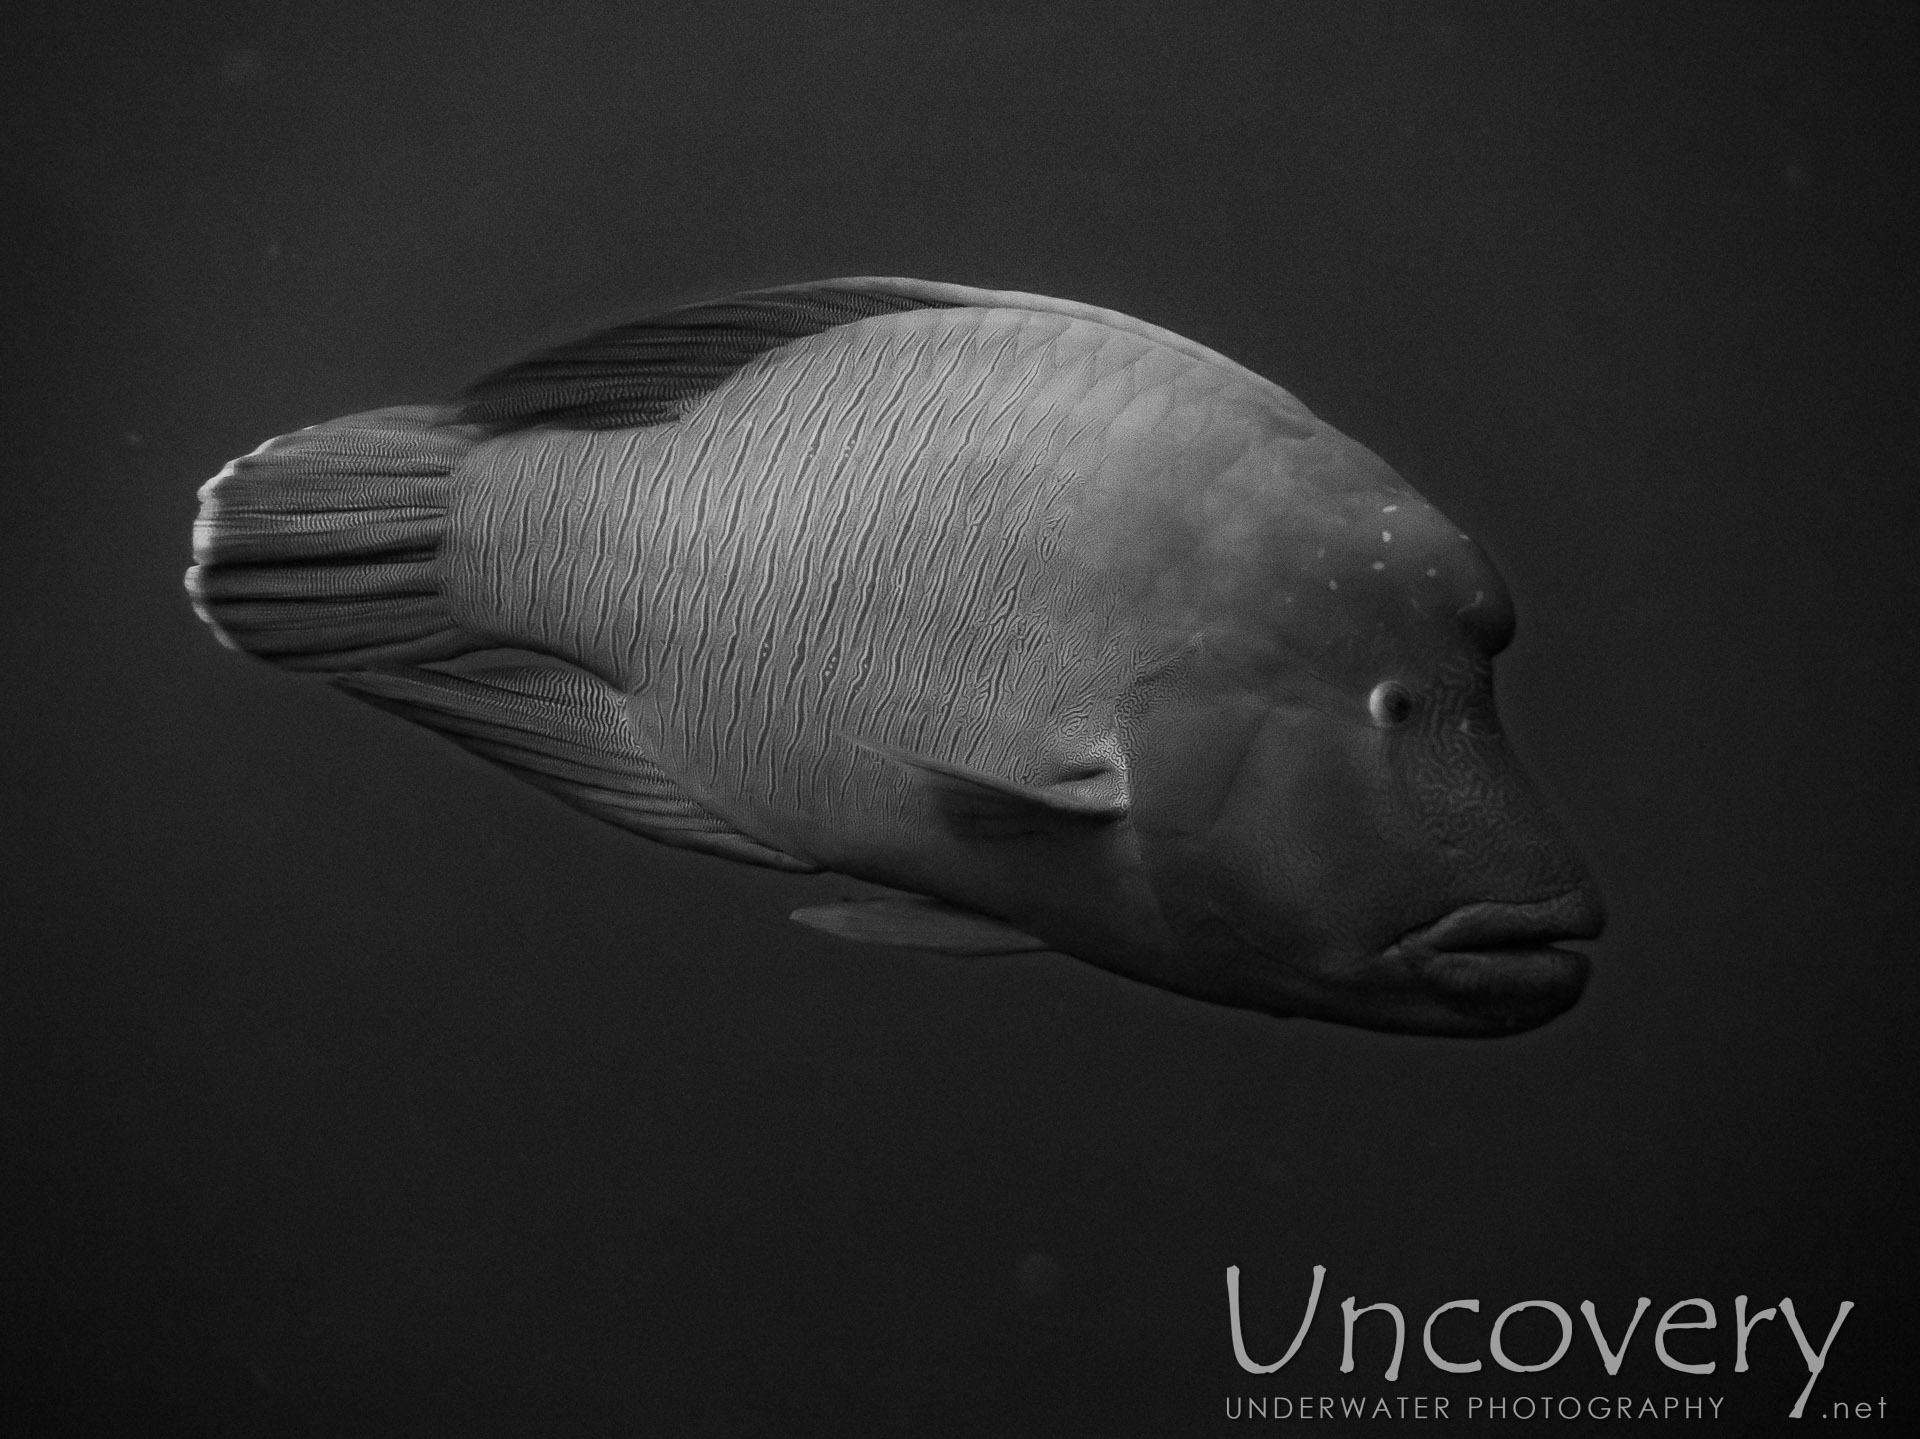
[[1185, 758], [1307, 846], [1254, 826]]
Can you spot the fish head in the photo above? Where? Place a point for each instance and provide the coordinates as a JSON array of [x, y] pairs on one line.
[[1330, 816]]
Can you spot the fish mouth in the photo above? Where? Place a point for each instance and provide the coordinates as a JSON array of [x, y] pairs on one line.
[[1497, 963]]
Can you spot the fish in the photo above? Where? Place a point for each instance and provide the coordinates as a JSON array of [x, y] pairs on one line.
[[1069, 633]]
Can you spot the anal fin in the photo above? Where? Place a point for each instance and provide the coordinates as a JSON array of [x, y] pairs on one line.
[[566, 731], [918, 922]]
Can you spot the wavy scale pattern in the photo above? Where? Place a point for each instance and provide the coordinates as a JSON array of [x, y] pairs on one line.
[[860, 535]]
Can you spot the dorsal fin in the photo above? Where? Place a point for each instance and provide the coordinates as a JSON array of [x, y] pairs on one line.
[[648, 371], [940, 293]]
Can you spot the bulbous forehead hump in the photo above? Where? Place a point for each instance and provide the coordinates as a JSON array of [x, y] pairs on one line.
[[1315, 543]]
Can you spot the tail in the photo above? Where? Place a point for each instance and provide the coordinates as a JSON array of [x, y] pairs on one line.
[[318, 550]]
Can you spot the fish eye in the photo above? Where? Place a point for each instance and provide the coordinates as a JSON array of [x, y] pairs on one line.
[[1390, 703]]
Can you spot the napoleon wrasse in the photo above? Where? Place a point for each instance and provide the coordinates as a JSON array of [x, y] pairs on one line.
[[1080, 635]]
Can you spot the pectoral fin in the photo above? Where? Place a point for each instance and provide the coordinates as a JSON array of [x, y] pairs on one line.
[[983, 806], [918, 922]]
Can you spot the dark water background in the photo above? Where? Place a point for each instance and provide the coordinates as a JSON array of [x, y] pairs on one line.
[[349, 1087]]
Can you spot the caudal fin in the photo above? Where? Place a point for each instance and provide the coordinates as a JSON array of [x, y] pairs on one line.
[[318, 550]]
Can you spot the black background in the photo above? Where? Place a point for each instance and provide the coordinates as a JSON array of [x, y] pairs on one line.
[[352, 1088]]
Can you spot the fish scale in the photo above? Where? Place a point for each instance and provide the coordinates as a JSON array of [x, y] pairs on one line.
[[700, 525]]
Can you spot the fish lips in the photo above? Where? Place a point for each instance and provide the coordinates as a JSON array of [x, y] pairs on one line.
[[1495, 962]]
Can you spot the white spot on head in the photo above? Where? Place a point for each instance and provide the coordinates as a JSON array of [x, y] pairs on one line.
[[1379, 564], [1464, 537], [1388, 509], [1333, 584], [1386, 537], [1433, 574]]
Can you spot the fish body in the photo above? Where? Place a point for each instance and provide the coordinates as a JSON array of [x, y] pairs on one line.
[[1081, 635]]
